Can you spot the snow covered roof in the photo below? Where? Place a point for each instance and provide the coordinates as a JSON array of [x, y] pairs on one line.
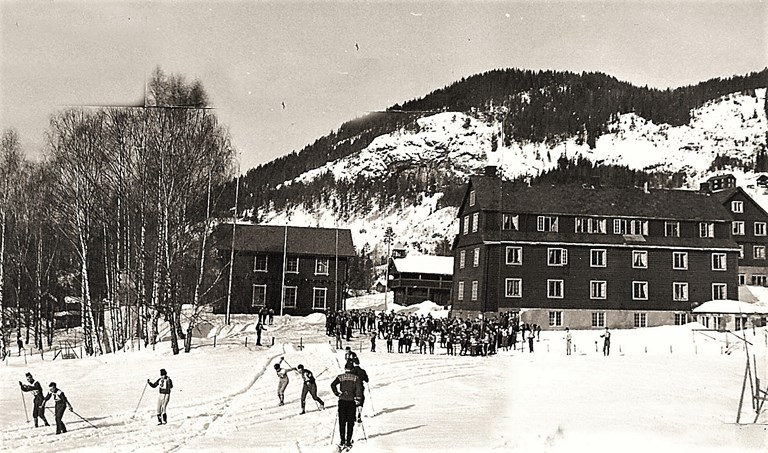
[[728, 306], [424, 264]]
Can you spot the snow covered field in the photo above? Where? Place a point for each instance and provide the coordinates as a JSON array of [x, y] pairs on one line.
[[661, 388]]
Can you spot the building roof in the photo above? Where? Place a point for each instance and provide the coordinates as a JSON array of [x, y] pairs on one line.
[[424, 264], [572, 199], [300, 240], [731, 307], [726, 194]]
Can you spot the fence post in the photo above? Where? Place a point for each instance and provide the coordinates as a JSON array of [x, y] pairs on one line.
[[273, 341], [246, 342], [214, 341]]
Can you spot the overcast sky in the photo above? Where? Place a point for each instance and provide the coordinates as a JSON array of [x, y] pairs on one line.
[[253, 56]]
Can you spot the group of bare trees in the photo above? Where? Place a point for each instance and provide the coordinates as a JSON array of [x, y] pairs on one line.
[[118, 214]]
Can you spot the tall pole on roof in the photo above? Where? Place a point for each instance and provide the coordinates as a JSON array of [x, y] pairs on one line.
[[285, 263], [388, 236], [336, 274], [232, 249]]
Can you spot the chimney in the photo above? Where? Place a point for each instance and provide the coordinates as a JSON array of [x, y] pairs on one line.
[[491, 170]]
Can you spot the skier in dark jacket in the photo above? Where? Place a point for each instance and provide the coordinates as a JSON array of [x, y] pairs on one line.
[[360, 373], [62, 403], [37, 392], [166, 384], [351, 356], [348, 387], [309, 387]]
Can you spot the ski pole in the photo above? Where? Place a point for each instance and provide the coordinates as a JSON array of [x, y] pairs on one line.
[[83, 419], [26, 414], [370, 398], [333, 430], [140, 398], [362, 426]]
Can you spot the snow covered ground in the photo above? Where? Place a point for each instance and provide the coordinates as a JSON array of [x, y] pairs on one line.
[[661, 388]]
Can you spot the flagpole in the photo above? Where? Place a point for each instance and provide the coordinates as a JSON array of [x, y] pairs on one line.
[[232, 254], [285, 264]]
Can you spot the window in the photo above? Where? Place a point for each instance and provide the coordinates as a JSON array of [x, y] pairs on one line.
[[718, 262], [627, 226], [590, 225], [292, 265], [742, 279], [476, 259], [672, 229], [462, 258], [597, 258], [680, 291], [597, 289], [472, 198], [680, 260], [555, 318], [737, 228], [319, 298], [509, 222], [514, 255], [759, 228], [259, 298], [546, 223], [460, 290], [681, 319], [474, 290], [737, 207], [598, 319], [641, 320], [758, 251], [719, 291], [321, 266], [514, 287], [475, 221], [260, 263], [291, 293], [706, 230], [639, 290], [640, 259], [759, 280], [555, 289], [466, 224], [557, 257]]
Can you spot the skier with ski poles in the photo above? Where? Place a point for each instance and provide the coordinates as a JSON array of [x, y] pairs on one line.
[[363, 377], [351, 356], [348, 387], [166, 384], [37, 392], [309, 387], [282, 374], [62, 403]]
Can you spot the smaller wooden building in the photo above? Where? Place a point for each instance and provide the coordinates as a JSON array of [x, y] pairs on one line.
[[415, 279], [291, 270]]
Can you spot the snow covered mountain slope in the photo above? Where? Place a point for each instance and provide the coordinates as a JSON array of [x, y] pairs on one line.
[[457, 144]]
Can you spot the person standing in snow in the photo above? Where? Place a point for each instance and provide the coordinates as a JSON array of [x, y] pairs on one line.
[[360, 373], [282, 374], [37, 403], [606, 342], [259, 328], [531, 337], [568, 340], [351, 356], [62, 403], [349, 389], [309, 387], [166, 384]]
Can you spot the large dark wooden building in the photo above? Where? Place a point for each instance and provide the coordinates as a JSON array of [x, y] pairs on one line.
[[313, 273], [589, 257], [749, 229]]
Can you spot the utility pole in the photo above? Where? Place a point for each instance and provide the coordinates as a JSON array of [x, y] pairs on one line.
[[232, 250]]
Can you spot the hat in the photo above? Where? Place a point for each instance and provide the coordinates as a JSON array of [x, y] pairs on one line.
[[348, 348], [277, 366], [163, 372], [52, 384], [28, 374], [301, 367]]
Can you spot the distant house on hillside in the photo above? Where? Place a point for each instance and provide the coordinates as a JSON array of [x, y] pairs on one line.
[[591, 257], [415, 279], [761, 181], [717, 182], [312, 276]]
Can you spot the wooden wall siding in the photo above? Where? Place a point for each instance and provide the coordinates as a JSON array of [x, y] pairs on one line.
[[752, 213], [244, 277], [614, 319]]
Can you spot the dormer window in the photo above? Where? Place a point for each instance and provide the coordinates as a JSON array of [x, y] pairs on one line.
[[509, 222], [628, 226], [706, 229], [546, 223], [472, 198], [737, 207]]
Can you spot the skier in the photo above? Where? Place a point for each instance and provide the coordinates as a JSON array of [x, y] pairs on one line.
[[351, 356], [568, 339], [259, 328], [531, 336], [20, 344], [166, 384], [37, 391], [606, 342], [282, 374], [349, 389], [360, 373], [62, 403], [373, 341], [309, 387]]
